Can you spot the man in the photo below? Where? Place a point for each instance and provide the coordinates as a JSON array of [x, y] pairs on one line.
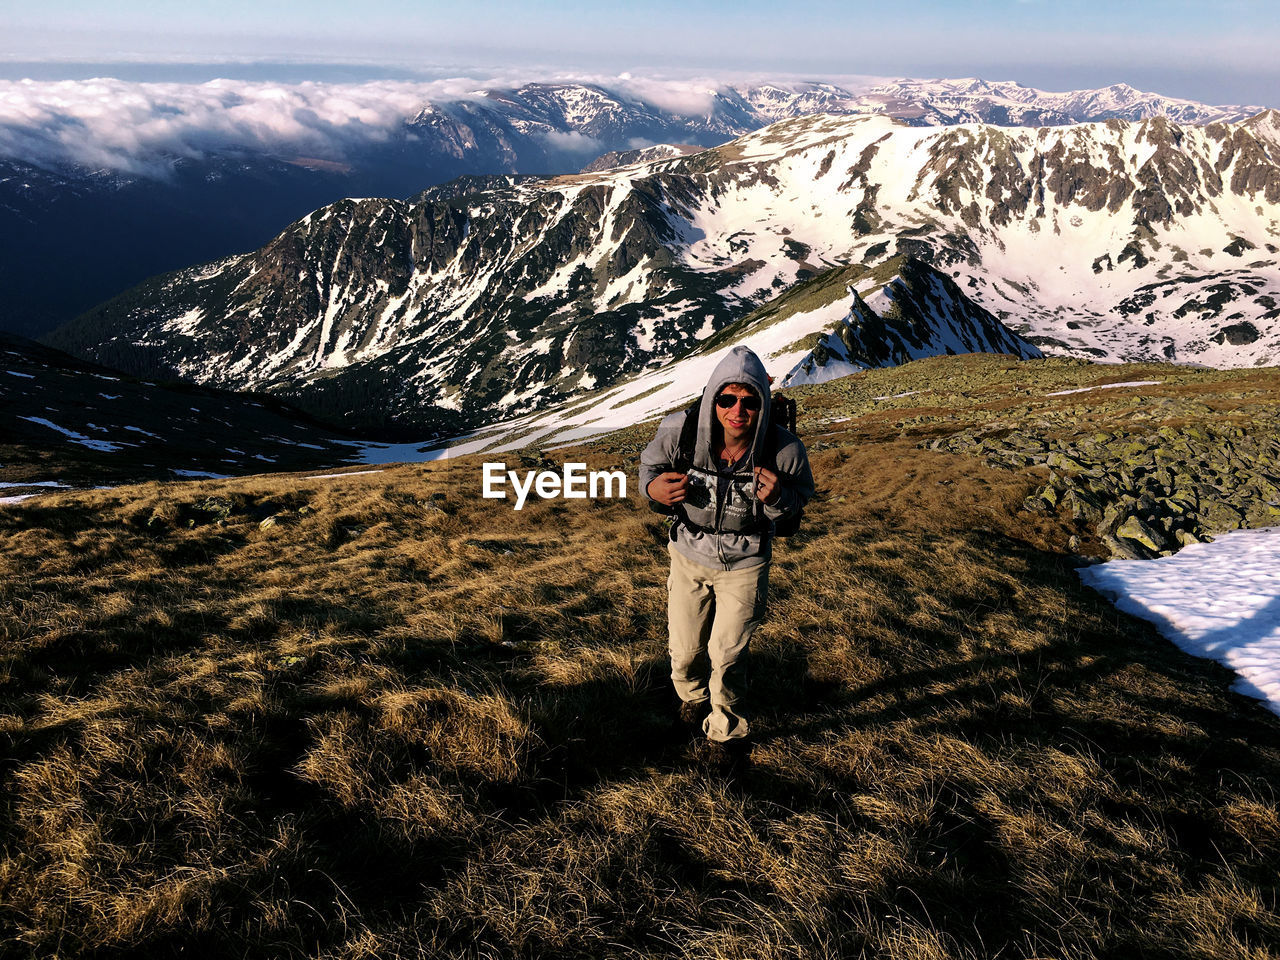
[[725, 502]]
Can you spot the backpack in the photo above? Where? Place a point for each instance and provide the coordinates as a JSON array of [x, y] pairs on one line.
[[782, 413]]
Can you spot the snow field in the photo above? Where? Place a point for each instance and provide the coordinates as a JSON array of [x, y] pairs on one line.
[[672, 386]]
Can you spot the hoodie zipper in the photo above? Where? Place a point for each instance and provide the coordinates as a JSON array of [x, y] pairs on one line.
[[721, 502]]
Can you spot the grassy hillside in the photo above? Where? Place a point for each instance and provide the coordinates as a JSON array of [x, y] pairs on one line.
[[84, 425], [399, 720]]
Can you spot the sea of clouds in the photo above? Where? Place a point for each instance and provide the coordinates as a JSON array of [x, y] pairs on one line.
[[131, 127], [126, 126]]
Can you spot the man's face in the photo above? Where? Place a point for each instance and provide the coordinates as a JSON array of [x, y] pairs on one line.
[[739, 420]]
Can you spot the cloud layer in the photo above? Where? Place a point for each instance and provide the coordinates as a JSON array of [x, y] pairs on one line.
[[133, 127], [124, 126]]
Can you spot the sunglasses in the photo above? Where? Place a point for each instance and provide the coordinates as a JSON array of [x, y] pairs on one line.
[[727, 401]]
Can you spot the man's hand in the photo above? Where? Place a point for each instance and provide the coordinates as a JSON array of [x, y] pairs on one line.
[[768, 489], [669, 488]]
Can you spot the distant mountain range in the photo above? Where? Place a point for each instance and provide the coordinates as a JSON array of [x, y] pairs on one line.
[[1122, 240], [1005, 103], [73, 235]]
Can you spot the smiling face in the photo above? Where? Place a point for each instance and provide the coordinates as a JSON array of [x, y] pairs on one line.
[[738, 422]]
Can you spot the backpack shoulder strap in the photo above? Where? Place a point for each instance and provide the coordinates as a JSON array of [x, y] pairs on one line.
[[783, 412], [782, 416], [688, 438], [769, 450]]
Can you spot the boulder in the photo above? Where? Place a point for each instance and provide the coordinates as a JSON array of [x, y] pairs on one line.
[[1137, 529]]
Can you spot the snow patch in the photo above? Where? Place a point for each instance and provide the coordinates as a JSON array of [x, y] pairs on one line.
[[353, 473], [143, 432], [1107, 386], [102, 446], [201, 475], [1217, 600], [187, 324]]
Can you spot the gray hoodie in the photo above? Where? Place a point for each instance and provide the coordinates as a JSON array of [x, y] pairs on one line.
[[729, 531]]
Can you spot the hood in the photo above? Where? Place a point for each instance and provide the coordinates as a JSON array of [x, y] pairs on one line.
[[740, 365]]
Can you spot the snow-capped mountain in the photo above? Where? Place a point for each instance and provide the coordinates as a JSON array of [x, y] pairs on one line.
[[973, 100], [922, 313], [215, 197], [553, 119], [71, 237], [1006, 103], [1121, 241]]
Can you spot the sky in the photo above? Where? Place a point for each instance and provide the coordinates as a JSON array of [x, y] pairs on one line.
[[1216, 52]]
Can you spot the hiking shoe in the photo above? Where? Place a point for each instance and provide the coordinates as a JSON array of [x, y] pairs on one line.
[[693, 712]]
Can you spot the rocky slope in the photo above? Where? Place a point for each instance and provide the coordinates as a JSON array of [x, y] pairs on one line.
[[918, 313], [1137, 460], [65, 423], [1147, 493], [625, 158]]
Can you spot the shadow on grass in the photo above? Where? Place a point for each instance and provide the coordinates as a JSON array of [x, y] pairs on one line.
[[616, 727]]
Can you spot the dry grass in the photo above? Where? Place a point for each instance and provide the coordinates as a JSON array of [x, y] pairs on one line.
[[404, 721]]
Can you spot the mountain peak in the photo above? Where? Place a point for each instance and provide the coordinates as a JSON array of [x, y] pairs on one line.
[[918, 312], [1267, 122]]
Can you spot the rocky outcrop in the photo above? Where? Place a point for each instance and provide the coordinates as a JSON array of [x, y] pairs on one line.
[[919, 312], [625, 158], [1143, 494]]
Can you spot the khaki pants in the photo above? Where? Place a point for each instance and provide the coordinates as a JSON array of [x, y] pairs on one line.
[[713, 612]]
